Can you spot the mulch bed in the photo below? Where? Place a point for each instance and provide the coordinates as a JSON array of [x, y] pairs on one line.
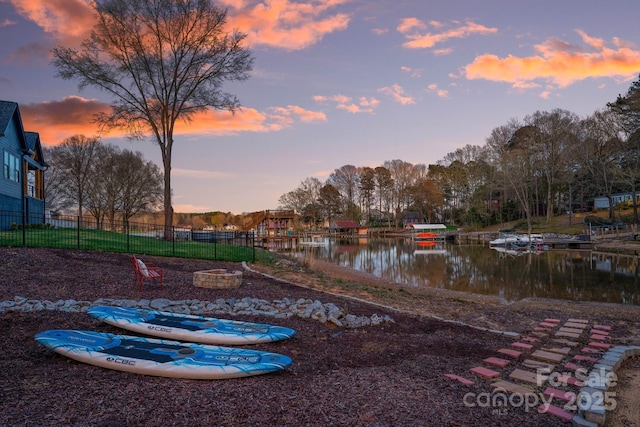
[[387, 375]]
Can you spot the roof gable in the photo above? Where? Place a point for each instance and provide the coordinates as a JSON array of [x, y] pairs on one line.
[[29, 142], [7, 110], [33, 144], [346, 224]]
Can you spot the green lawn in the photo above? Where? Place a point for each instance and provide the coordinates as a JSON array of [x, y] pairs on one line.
[[107, 241]]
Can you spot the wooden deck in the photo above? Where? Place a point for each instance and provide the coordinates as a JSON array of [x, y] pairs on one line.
[[567, 244]]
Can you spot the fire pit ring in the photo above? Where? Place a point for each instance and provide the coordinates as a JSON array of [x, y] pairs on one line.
[[217, 278]]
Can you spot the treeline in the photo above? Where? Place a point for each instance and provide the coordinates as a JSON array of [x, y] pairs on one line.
[[545, 164], [101, 180]]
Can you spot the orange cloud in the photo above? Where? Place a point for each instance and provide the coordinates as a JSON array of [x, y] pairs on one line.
[[363, 105], [409, 24], [396, 92], [442, 93], [7, 22], [57, 120], [424, 41], [413, 72], [69, 20], [287, 24], [31, 53], [560, 63]]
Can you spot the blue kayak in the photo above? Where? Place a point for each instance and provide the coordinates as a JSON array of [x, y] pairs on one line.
[[190, 328], [164, 358]]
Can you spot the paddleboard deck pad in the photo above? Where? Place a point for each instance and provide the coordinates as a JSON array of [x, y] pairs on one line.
[[190, 328], [164, 358]]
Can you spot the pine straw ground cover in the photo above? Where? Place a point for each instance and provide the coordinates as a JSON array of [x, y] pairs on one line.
[[387, 375]]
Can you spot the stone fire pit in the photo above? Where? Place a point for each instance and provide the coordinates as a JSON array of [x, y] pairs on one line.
[[218, 278]]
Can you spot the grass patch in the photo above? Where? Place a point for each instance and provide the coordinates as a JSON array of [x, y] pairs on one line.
[[108, 241]]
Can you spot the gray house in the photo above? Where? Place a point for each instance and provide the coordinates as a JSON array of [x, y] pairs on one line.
[[602, 202], [22, 195]]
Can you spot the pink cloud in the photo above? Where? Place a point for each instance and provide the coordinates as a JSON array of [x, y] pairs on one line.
[[69, 21], [32, 53], [7, 23], [441, 93], [57, 120], [560, 63], [413, 72], [346, 103], [410, 24], [428, 40], [287, 24], [396, 92], [284, 24]]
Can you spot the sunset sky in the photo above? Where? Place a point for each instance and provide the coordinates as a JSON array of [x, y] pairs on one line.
[[338, 82]]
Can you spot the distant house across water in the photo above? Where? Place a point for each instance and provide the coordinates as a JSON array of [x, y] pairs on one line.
[[602, 202], [347, 227]]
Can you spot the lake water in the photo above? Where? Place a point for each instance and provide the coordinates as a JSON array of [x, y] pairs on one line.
[[567, 275]]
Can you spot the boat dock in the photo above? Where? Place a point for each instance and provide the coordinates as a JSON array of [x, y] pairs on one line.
[[550, 242], [559, 243]]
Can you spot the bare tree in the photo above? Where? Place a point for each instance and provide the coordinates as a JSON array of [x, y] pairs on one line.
[[103, 193], [426, 197], [73, 160], [627, 110], [331, 202], [497, 145], [304, 200], [600, 154], [161, 61], [141, 189], [402, 174], [519, 165], [367, 187], [384, 185], [346, 180], [555, 132], [54, 184]]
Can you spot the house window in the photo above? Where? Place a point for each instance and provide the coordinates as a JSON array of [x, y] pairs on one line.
[[11, 167]]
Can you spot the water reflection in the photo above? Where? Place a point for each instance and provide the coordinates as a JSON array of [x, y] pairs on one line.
[[569, 275]]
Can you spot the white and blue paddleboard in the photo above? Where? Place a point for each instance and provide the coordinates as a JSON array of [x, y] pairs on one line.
[[190, 328], [163, 358]]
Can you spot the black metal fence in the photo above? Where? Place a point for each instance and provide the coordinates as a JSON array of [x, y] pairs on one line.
[[73, 232]]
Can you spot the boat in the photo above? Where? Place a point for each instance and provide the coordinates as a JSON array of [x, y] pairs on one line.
[[518, 251], [430, 252], [510, 240], [429, 247], [428, 231], [314, 241], [426, 235]]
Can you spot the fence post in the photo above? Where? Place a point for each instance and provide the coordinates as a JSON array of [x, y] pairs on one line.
[[78, 234], [253, 247], [24, 229]]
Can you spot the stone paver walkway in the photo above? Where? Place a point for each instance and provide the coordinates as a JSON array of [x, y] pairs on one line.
[[564, 368]]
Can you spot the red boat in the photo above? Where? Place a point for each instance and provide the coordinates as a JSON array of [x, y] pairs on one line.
[[427, 235]]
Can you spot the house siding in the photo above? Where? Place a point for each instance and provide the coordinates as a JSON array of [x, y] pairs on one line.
[[15, 205], [9, 142], [602, 202]]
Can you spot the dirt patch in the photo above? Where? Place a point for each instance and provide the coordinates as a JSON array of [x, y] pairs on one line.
[[627, 411], [387, 375]]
